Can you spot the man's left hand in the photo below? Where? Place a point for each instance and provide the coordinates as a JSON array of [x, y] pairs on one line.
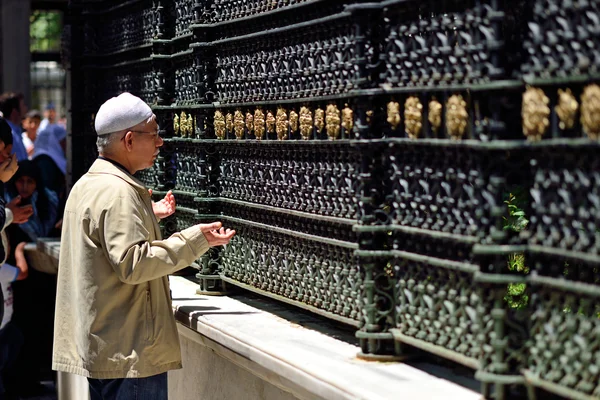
[[165, 207]]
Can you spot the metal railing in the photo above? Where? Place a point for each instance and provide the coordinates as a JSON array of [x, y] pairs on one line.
[[423, 171]]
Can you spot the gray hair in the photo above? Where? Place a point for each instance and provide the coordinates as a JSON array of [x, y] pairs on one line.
[[105, 142]]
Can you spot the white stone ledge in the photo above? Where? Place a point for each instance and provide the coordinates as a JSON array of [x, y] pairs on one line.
[[304, 362]]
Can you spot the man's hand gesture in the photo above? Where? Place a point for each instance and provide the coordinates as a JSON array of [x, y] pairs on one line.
[[215, 234], [165, 207]]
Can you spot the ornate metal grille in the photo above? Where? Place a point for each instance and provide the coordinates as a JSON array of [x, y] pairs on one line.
[[424, 171]]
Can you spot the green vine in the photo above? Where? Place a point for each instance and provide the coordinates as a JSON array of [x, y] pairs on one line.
[[516, 221]]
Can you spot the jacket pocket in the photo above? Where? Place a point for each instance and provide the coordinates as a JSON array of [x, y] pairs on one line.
[[149, 319]]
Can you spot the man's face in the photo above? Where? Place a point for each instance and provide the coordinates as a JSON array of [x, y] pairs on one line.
[[5, 152], [146, 144], [51, 115]]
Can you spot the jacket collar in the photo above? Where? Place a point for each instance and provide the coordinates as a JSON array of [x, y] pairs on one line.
[[101, 166]]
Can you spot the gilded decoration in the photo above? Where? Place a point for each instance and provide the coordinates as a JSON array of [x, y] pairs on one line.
[[332, 121], [270, 120], [238, 124], [294, 121], [347, 119], [281, 124], [566, 109], [590, 111], [229, 122], [249, 122], [435, 115], [306, 123], [186, 123], [259, 123], [219, 124], [369, 116], [393, 114], [413, 117], [456, 116], [175, 125], [319, 119], [183, 124], [535, 113]]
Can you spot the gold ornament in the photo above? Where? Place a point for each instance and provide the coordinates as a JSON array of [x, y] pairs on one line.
[[270, 122], [332, 121], [219, 124], [186, 123], [238, 124], [393, 114], [306, 123], [347, 119], [456, 117], [249, 122], [294, 121], [319, 120], [175, 125], [183, 124], [259, 124], [435, 115], [229, 122], [590, 111], [281, 124], [535, 113], [413, 117], [566, 109]]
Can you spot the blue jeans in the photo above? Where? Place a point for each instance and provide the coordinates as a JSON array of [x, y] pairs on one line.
[[150, 388]]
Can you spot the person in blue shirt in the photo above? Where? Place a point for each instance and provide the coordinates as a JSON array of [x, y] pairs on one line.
[[13, 108]]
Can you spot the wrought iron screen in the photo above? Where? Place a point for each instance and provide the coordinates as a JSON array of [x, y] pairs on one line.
[[425, 171]]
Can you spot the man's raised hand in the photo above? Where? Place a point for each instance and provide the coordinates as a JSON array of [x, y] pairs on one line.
[[215, 234], [165, 207]]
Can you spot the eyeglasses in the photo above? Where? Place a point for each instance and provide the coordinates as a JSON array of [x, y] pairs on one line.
[[155, 133]]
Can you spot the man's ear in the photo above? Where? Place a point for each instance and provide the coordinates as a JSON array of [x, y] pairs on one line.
[[128, 140]]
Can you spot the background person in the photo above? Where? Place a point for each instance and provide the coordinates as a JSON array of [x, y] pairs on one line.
[[14, 109]]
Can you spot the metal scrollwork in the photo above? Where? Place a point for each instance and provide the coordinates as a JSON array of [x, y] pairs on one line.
[[319, 119], [294, 121], [535, 113], [270, 120], [347, 119], [306, 123], [259, 124], [175, 125], [566, 109], [229, 122], [435, 115], [590, 111], [393, 114], [281, 124], [219, 124], [456, 117], [249, 122], [332, 121], [238, 124], [413, 117]]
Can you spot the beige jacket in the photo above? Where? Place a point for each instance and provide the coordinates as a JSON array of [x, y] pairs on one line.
[[113, 305]]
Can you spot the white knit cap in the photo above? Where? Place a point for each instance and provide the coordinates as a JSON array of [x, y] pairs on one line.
[[120, 113]]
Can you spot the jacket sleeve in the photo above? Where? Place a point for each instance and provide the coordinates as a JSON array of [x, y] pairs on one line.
[[125, 241]]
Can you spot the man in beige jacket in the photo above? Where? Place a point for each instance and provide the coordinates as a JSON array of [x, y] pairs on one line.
[[114, 322]]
